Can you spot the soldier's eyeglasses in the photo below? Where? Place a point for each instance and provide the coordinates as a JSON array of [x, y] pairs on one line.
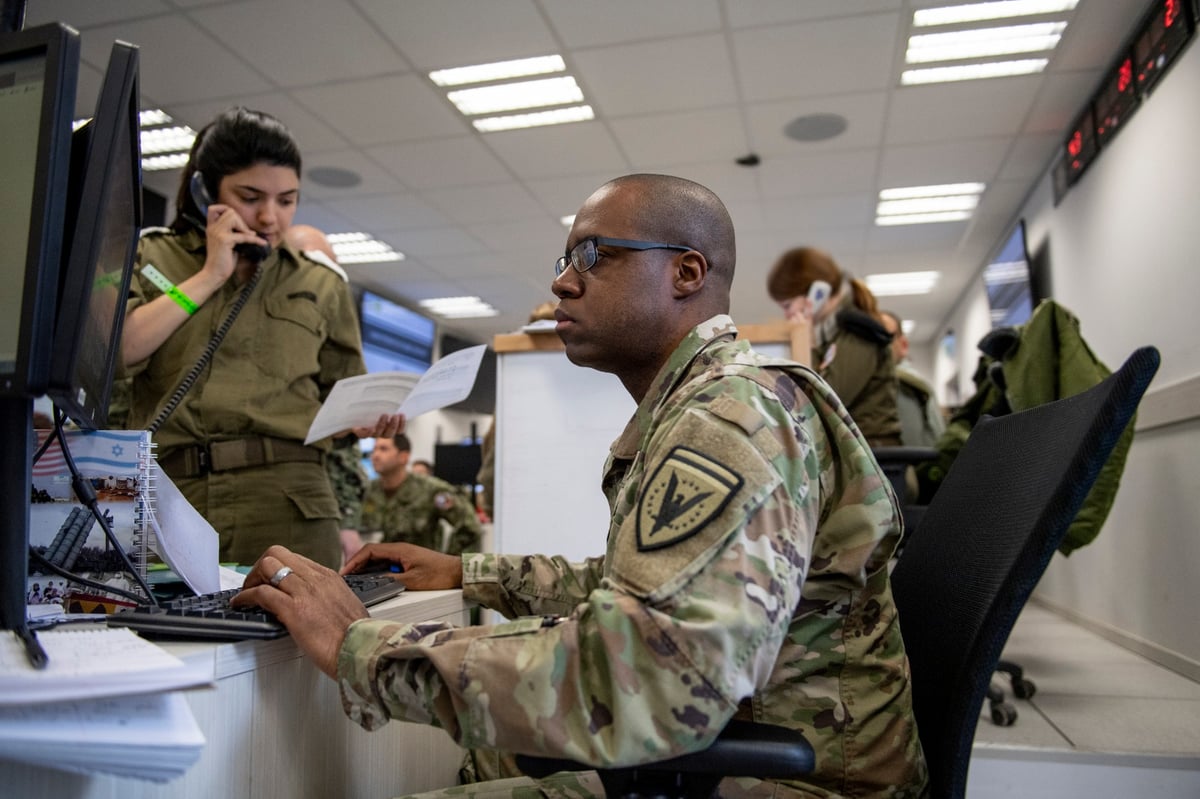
[[583, 255]]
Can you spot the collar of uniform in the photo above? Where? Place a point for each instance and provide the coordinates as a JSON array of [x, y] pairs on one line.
[[194, 241], [718, 328]]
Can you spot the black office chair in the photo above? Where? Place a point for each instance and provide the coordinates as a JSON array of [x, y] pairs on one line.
[[743, 749], [985, 541]]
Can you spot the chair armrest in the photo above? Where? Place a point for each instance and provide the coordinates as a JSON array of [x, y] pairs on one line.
[[743, 749], [904, 455]]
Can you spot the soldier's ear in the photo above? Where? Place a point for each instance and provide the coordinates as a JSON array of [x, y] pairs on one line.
[[691, 270]]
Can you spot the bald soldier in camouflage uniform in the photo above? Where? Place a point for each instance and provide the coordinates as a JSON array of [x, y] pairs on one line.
[[745, 573]]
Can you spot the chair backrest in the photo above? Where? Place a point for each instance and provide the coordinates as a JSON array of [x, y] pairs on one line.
[[984, 543]]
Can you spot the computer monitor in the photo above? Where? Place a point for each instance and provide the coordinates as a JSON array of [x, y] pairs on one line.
[[38, 72], [39, 68], [104, 216]]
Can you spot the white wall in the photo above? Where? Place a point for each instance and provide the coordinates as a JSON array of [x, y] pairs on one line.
[[1123, 258]]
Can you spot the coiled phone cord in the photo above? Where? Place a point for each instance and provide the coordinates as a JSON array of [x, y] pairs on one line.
[[201, 363]]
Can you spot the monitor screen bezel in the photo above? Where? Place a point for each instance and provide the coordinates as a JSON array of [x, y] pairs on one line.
[[60, 46], [79, 387]]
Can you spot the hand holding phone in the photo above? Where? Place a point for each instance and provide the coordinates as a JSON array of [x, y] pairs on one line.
[[200, 196]]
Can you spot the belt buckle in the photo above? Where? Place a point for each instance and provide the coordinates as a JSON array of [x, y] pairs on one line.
[[203, 460]]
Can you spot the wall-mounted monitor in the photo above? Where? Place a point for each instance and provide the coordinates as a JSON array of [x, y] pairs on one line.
[[395, 338], [1006, 280]]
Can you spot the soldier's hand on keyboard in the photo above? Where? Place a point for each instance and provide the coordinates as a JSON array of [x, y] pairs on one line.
[[311, 600], [423, 569]]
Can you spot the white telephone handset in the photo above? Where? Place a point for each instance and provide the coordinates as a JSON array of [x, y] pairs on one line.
[[818, 295]]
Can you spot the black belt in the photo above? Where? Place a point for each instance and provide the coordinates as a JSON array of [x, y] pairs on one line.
[[238, 453]]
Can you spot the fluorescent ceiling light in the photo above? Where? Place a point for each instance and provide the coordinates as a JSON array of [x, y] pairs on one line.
[[500, 70], [567, 221], [921, 219], [167, 140], [558, 116], [459, 307], [360, 248], [512, 96], [976, 12], [153, 116], [984, 42], [157, 163], [996, 69], [907, 326], [927, 205], [940, 190], [901, 283]]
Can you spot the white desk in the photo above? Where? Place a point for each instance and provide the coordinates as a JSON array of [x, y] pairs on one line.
[[276, 730]]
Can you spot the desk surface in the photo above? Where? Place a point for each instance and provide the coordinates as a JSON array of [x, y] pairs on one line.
[[275, 729]]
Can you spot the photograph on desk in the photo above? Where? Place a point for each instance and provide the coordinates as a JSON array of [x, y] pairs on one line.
[[66, 533]]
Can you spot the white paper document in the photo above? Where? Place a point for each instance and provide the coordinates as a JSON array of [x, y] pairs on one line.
[[184, 538], [360, 401], [152, 737], [89, 663]]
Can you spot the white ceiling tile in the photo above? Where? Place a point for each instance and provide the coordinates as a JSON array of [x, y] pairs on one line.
[[862, 111], [815, 175], [961, 110], [585, 23], [382, 110], [943, 162], [440, 163], [429, 243], [654, 77], [349, 45], [575, 148], [82, 16], [667, 139], [772, 12], [374, 180], [817, 58], [493, 203], [1059, 101], [310, 132], [171, 52], [389, 212], [453, 33]]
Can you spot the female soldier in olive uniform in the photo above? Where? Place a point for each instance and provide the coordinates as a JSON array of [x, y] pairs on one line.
[[851, 348], [234, 443]]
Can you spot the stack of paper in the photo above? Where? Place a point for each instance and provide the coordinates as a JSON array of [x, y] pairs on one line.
[[99, 705], [149, 737]]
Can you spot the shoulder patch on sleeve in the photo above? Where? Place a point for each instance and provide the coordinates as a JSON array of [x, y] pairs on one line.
[[443, 501], [686, 491]]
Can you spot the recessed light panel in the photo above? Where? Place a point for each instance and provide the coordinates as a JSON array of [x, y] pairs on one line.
[[459, 307], [484, 92], [361, 248]]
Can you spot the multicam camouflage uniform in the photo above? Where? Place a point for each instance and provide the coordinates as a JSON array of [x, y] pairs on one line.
[[349, 480], [718, 596], [415, 512]]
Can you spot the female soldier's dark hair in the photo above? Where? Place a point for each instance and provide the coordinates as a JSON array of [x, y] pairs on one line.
[[799, 268], [237, 139]]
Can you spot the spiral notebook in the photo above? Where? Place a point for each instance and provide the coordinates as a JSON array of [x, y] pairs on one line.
[[117, 464]]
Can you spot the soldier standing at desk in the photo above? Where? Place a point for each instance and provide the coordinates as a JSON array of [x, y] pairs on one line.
[[405, 506], [746, 573]]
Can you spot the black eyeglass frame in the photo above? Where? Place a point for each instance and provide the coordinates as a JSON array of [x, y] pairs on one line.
[[585, 251]]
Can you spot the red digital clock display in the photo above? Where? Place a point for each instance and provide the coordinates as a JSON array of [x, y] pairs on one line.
[[1167, 29], [1116, 100], [1080, 146]]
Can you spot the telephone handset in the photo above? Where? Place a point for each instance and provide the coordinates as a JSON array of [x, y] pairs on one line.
[[256, 253], [200, 196]]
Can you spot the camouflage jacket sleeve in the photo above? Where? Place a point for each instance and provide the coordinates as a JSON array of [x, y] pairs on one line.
[[465, 531], [529, 585], [655, 660]]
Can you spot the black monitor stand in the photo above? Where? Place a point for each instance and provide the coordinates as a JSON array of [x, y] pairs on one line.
[[16, 455]]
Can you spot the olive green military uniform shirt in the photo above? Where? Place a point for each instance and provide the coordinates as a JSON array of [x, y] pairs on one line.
[[860, 368], [296, 336], [414, 513], [921, 421], [745, 574]]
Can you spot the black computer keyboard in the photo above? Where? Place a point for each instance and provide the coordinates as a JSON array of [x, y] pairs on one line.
[[209, 616]]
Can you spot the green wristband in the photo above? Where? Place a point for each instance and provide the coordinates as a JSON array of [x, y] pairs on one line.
[[170, 289], [182, 300]]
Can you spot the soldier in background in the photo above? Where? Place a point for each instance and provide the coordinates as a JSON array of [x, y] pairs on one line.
[[746, 571], [921, 420], [406, 506]]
